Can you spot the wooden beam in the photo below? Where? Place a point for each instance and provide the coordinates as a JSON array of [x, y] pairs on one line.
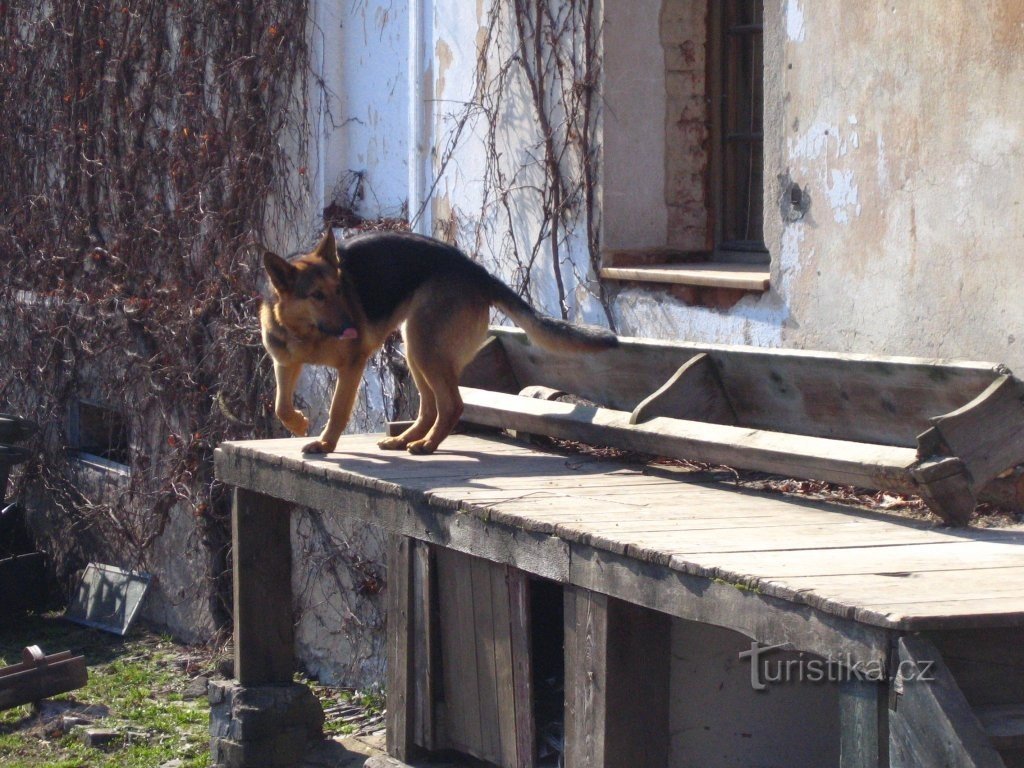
[[987, 434], [425, 651], [39, 677], [586, 678], [863, 724], [840, 461], [862, 398], [933, 724], [264, 622], [399, 720], [761, 617], [693, 392]]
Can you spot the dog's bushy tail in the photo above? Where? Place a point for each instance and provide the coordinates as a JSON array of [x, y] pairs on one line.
[[548, 332]]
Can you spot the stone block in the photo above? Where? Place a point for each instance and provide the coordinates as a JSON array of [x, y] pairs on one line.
[[265, 726]]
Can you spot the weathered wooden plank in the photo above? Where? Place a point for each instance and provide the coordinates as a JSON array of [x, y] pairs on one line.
[[1004, 725], [638, 662], [586, 677], [520, 647], [953, 554], [483, 627], [518, 530], [864, 724], [872, 399], [840, 461], [693, 392], [425, 666], [458, 643], [987, 664], [39, 677], [399, 719], [503, 665], [323, 485], [933, 723], [262, 573], [765, 618]]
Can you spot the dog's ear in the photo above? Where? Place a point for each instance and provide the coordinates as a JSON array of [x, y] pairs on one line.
[[327, 249], [281, 273]]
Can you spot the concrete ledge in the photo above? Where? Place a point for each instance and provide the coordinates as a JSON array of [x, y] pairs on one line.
[[744, 277]]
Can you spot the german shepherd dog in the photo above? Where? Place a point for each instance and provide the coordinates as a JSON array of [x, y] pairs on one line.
[[336, 305]]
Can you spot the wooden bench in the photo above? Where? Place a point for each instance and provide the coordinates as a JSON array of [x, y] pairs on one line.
[[940, 429], [509, 565]]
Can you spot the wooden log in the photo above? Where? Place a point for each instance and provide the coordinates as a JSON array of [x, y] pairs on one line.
[[841, 461], [264, 624], [39, 677]]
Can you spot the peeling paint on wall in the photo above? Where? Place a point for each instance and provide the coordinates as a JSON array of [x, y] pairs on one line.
[[794, 21], [842, 196]]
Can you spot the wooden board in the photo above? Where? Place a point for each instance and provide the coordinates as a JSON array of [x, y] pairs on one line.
[[862, 398], [39, 677], [933, 724], [264, 623], [880, 570], [785, 453], [483, 639]]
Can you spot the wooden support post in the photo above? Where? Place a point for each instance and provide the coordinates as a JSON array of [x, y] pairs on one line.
[[586, 677], [863, 724], [617, 658], [400, 676], [264, 623], [423, 627]]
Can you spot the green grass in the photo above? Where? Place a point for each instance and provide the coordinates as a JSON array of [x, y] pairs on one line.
[[137, 682]]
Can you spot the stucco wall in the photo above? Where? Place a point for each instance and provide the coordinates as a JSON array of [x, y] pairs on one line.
[[901, 119]]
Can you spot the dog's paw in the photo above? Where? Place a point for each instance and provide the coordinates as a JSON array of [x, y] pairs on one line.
[[421, 447], [297, 424], [391, 444], [317, 446]]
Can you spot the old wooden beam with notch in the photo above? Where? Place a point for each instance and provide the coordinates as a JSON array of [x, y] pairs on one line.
[[40, 676]]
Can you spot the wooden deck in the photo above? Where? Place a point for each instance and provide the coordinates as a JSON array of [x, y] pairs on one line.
[[581, 520]]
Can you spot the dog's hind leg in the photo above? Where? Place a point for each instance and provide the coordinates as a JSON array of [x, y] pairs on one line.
[[442, 336], [425, 418], [444, 382], [287, 377]]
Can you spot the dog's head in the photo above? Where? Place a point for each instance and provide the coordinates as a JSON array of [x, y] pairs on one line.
[[311, 296]]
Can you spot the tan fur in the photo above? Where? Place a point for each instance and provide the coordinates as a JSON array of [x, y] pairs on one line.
[[445, 322]]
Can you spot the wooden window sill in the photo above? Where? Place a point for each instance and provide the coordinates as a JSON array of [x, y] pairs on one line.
[[742, 277]]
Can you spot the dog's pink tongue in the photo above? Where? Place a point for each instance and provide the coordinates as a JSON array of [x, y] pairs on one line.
[[350, 333]]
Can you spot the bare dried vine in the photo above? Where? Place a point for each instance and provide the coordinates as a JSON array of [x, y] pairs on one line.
[[149, 148], [546, 49]]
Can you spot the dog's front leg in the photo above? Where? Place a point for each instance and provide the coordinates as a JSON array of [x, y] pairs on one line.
[[294, 420], [342, 403]]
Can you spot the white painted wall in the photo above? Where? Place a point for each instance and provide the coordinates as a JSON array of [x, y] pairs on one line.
[[361, 49]]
